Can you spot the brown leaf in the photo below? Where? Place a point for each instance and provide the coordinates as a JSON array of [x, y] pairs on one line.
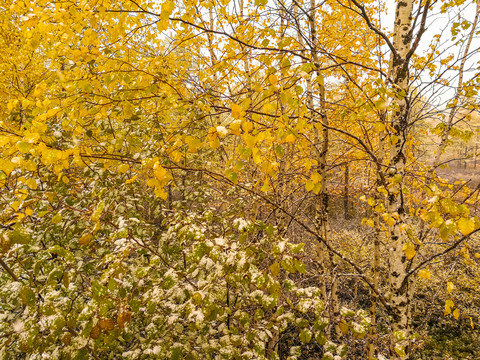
[[107, 324], [124, 316], [95, 333]]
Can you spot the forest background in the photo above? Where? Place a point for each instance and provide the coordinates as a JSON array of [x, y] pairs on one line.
[[239, 179]]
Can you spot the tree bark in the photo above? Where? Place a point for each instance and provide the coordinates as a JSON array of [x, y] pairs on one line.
[[398, 288]]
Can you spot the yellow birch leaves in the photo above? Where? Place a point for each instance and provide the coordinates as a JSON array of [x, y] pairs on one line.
[[424, 274], [236, 111], [450, 287], [314, 184], [465, 226], [409, 250]]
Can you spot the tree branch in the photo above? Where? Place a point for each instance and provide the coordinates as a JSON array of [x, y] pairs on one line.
[[8, 270]]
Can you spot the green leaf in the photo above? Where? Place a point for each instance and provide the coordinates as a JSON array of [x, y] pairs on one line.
[[327, 356], [27, 296], [57, 249], [305, 336], [269, 230], [344, 327], [320, 338], [98, 290], [275, 269], [233, 176], [98, 211], [297, 248], [288, 264], [176, 354], [300, 266], [320, 323], [400, 350], [279, 150], [82, 354], [54, 275], [56, 218], [19, 235]]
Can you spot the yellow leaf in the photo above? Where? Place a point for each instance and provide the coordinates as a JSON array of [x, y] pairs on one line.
[[317, 188], [268, 108], [160, 192], [378, 127], [448, 307], [28, 211], [24, 146], [316, 177], [85, 239], [309, 185], [465, 226], [16, 205], [162, 25], [98, 211], [266, 186], [344, 327], [390, 221], [290, 138], [369, 222], [307, 164], [409, 250], [176, 155], [456, 314], [122, 169], [424, 274], [31, 183], [235, 127], [159, 171], [129, 181], [275, 269], [247, 126], [256, 156], [236, 111], [450, 287], [273, 79], [471, 323], [193, 143], [22, 194], [215, 143], [56, 219]]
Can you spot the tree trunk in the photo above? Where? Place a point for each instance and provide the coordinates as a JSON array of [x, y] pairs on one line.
[[322, 142], [346, 200], [397, 276]]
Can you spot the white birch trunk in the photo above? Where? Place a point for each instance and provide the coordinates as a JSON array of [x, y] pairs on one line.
[[398, 287]]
